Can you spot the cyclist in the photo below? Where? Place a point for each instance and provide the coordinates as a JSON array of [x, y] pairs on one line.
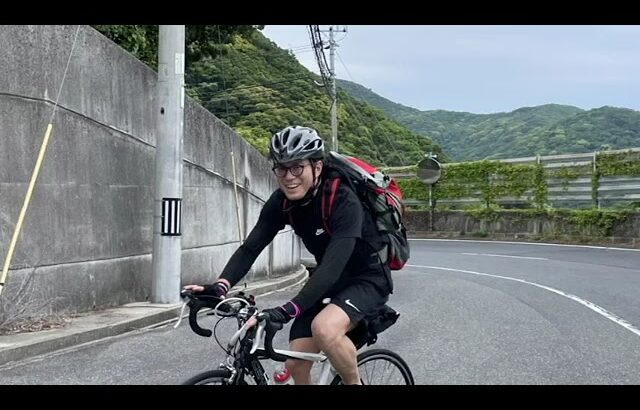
[[350, 283]]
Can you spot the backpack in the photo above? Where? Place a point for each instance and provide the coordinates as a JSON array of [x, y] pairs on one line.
[[380, 195]]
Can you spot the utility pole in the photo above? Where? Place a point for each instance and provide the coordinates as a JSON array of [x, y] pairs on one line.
[[167, 212], [334, 95]]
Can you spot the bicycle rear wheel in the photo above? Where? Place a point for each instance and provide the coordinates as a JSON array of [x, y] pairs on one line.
[[381, 367], [211, 377]]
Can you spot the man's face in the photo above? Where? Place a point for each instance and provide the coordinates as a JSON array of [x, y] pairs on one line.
[[296, 177]]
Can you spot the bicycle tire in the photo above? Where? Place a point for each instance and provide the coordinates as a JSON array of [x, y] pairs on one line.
[[209, 377], [388, 356]]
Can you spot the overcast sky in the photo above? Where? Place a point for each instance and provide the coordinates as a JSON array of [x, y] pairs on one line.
[[484, 69]]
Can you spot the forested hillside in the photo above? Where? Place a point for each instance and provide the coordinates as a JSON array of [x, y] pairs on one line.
[[257, 88], [544, 130]]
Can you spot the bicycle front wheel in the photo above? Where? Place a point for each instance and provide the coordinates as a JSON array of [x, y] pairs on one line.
[[381, 367], [211, 377]]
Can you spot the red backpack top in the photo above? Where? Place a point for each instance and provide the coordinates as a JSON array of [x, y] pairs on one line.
[[379, 194]]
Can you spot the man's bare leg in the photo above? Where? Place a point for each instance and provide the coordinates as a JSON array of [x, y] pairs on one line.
[[329, 330], [301, 369]]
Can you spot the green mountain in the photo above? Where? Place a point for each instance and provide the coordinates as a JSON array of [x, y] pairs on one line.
[[257, 88], [545, 130], [599, 129], [366, 94]]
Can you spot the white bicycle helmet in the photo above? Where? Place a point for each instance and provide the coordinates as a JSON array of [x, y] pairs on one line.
[[296, 143]]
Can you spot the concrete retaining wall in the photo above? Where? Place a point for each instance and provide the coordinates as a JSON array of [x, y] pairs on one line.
[[514, 225], [87, 239]]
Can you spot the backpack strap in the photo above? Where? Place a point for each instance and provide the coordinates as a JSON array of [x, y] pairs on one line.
[[329, 195]]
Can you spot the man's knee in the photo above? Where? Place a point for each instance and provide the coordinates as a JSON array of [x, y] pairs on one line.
[[330, 324]]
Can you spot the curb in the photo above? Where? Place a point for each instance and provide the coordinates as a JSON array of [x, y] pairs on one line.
[[264, 287], [116, 321]]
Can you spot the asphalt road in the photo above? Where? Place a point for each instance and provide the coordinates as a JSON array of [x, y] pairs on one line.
[[471, 313]]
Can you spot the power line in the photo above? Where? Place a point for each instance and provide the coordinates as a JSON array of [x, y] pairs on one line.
[[332, 80], [309, 46], [305, 51], [251, 110], [299, 46], [275, 90], [244, 87], [272, 102], [343, 37], [359, 118], [321, 59]]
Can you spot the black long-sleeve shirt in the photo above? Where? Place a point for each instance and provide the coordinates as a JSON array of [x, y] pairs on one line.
[[342, 255]]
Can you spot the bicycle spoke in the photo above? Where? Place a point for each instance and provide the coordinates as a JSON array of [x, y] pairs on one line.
[[373, 371], [391, 372], [386, 367]]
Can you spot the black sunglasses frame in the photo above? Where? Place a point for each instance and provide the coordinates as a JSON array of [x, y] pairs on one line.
[[277, 169]]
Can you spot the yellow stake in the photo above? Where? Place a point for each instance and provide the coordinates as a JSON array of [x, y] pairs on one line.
[[25, 205]]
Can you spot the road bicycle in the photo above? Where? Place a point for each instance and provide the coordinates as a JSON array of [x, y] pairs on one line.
[[253, 342]]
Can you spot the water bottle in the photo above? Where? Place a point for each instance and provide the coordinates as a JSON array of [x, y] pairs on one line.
[[282, 376]]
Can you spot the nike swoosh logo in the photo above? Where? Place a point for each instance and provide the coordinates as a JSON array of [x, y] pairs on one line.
[[319, 232], [348, 302]]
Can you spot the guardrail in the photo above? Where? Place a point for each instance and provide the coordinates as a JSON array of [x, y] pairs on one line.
[[572, 193]]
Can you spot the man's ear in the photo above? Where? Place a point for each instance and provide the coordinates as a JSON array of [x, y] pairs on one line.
[[319, 165]]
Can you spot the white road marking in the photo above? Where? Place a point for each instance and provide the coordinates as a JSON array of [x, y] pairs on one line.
[[527, 243], [505, 256], [599, 310]]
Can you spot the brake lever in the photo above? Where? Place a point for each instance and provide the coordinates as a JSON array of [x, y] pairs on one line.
[[181, 315]]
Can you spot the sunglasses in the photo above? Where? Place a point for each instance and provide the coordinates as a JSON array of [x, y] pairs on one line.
[[295, 170]]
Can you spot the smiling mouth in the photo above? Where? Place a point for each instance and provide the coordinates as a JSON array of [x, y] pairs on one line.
[[292, 187]]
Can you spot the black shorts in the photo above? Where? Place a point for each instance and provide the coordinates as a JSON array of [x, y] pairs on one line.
[[359, 299]]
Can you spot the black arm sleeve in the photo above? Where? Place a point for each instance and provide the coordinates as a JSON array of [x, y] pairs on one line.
[[267, 227], [335, 259]]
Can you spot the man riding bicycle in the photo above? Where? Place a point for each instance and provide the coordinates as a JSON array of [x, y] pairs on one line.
[[350, 284]]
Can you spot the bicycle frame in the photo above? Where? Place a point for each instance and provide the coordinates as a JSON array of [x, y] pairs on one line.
[[253, 342], [257, 351], [327, 371]]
